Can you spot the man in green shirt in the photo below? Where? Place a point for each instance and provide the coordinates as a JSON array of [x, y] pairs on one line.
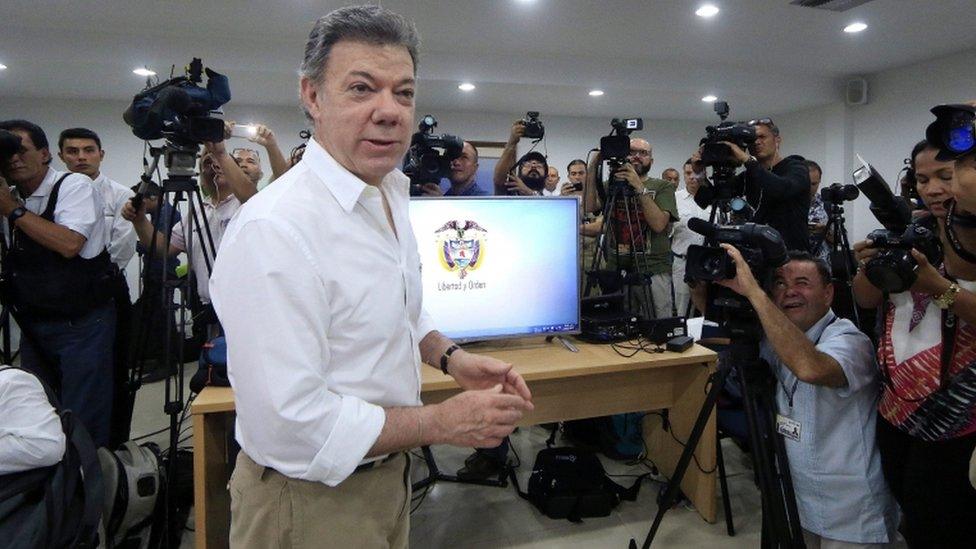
[[638, 236]]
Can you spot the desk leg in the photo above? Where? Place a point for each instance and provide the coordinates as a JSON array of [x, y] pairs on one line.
[[664, 451], [211, 472]]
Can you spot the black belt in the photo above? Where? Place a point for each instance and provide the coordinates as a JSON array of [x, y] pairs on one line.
[[370, 465], [679, 256]]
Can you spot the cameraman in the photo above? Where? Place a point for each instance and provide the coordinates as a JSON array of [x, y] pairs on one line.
[[827, 388], [59, 278], [926, 421], [778, 188], [532, 168], [648, 240], [250, 161], [463, 176]]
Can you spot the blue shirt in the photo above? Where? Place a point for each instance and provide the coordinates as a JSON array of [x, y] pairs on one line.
[[836, 467], [471, 190]]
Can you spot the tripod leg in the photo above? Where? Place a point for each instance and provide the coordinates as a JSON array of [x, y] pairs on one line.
[[726, 504]]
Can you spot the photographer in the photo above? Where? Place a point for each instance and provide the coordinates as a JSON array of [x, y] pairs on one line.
[[826, 393], [532, 168], [576, 173], [226, 188], [777, 188], [250, 161], [926, 423], [647, 237], [58, 278], [463, 176], [817, 218]]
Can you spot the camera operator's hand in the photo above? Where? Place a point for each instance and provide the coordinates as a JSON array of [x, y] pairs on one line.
[[130, 213], [518, 130], [479, 418], [929, 280], [744, 283], [697, 165], [263, 136], [214, 148], [431, 189], [7, 201], [228, 129], [515, 183], [629, 174], [863, 252], [740, 155]]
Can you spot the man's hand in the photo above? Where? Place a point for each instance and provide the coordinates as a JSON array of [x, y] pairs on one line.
[[738, 154], [432, 189], [478, 418], [744, 283], [215, 148], [7, 201], [629, 174], [263, 136], [567, 189], [130, 213], [518, 130], [515, 183], [228, 129], [473, 371]]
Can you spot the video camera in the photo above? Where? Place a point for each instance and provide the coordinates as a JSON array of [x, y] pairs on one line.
[[179, 109], [715, 153], [9, 145], [954, 131], [837, 193], [615, 147], [893, 269], [424, 163], [533, 126]]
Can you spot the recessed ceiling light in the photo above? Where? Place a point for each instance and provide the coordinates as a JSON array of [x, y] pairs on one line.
[[707, 10], [466, 86], [855, 27], [2, 66], [596, 93], [143, 71], [709, 99]]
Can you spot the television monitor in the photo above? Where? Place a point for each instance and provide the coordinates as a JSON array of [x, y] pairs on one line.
[[499, 267]]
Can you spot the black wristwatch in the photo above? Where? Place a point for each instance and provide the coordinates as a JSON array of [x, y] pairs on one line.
[[18, 212], [447, 356]]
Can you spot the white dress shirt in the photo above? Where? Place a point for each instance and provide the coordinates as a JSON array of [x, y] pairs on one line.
[[682, 236], [79, 208], [30, 433], [321, 304], [218, 218], [120, 233]]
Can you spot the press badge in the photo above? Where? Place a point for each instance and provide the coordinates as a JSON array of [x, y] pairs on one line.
[[789, 428]]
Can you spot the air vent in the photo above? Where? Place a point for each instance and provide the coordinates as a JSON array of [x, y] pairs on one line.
[[831, 5]]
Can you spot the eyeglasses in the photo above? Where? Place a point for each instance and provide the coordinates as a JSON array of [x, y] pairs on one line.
[[638, 152], [533, 164], [761, 122], [246, 150]]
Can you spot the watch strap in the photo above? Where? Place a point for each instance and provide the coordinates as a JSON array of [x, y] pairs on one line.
[[446, 356], [16, 214], [947, 298]]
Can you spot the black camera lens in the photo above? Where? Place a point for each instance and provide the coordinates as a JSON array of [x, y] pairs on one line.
[[892, 271]]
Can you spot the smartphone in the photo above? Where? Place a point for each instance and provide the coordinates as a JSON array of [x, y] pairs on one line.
[[577, 186], [243, 130]]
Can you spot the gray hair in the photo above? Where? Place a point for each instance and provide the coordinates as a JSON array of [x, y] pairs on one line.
[[368, 24]]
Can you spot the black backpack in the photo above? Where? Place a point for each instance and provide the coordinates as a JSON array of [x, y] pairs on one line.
[[570, 483], [56, 506]]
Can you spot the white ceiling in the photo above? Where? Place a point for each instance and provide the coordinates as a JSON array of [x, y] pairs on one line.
[[652, 58]]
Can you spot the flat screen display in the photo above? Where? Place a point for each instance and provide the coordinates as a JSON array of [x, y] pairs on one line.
[[497, 267]]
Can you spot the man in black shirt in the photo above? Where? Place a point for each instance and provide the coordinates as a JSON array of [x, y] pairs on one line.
[[777, 188]]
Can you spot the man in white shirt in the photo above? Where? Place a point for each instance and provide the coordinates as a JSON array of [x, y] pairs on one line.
[[81, 151], [682, 237], [31, 435], [318, 288], [60, 278], [552, 182]]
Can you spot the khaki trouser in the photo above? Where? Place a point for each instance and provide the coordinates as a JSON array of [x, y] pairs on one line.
[[370, 508]]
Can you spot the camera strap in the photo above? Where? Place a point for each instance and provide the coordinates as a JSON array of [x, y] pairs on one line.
[[965, 221], [949, 326]]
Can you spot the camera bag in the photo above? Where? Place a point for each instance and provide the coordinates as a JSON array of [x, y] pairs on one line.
[[570, 483]]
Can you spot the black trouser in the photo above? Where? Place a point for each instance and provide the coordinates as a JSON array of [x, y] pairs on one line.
[[930, 481], [122, 403]]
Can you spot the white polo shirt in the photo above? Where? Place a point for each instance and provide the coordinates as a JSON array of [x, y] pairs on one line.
[[119, 232]]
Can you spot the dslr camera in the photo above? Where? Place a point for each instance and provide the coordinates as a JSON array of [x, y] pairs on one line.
[[715, 153], [837, 193], [893, 269], [179, 109], [9, 145], [533, 126], [424, 163]]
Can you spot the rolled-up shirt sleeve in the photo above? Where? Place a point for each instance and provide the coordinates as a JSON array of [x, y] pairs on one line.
[[275, 311], [79, 205], [30, 433]]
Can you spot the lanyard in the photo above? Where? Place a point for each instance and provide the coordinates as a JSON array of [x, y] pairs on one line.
[[796, 381]]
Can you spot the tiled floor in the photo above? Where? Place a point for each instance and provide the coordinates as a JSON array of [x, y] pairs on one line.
[[459, 515]]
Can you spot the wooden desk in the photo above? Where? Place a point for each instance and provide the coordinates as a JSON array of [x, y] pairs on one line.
[[596, 381]]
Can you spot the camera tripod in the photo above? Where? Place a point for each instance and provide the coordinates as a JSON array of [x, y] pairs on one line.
[[179, 186], [631, 266], [842, 264]]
